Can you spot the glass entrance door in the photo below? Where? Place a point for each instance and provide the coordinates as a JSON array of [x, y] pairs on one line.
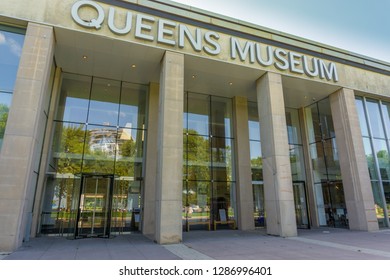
[[334, 204], [301, 210], [258, 203], [94, 211]]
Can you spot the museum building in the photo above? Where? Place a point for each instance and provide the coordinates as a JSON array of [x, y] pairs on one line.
[[157, 117]]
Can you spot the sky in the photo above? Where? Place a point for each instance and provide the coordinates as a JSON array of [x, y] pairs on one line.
[[359, 26], [10, 51]]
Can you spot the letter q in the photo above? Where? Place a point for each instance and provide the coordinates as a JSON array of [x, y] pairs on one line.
[[94, 23]]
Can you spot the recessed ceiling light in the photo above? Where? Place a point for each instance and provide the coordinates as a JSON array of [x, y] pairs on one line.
[[133, 65], [230, 83], [193, 76], [85, 57]]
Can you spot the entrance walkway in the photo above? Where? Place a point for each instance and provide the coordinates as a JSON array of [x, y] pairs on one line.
[[314, 244]]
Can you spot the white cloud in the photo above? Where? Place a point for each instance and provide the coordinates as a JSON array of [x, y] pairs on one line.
[[2, 38], [14, 47]]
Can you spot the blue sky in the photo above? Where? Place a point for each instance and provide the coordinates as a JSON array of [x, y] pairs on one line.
[[360, 26], [10, 51]]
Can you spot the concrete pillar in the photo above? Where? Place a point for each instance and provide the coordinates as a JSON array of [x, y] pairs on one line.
[[243, 164], [169, 180], [23, 139], [55, 85], [149, 193], [278, 190], [356, 180]]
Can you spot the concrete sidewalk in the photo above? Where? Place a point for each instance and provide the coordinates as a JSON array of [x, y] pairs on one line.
[[314, 244]]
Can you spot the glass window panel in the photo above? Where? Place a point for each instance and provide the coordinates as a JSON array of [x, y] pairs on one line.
[[5, 103], [313, 124], [2, 131], [129, 153], [332, 160], [61, 193], [375, 119], [198, 114], [386, 189], [196, 203], [104, 105], [185, 210], [378, 200], [386, 117], [336, 202], [10, 51], [11, 45], [256, 160], [185, 157], [254, 130], [74, 100], [258, 205], [100, 149], [293, 127], [133, 106], [318, 162], [297, 163], [321, 204], [362, 116], [255, 152], [198, 153], [67, 149], [370, 159], [222, 159], [382, 154], [185, 115], [326, 119], [221, 117], [126, 198], [223, 200], [253, 121]]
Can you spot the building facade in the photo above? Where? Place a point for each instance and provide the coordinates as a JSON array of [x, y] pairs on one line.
[[120, 116]]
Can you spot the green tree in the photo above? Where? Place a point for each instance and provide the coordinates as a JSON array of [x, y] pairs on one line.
[[257, 168], [383, 154], [70, 149], [125, 163], [4, 109], [196, 156], [127, 148]]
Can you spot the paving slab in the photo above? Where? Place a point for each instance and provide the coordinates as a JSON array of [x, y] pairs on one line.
[[313, 244]]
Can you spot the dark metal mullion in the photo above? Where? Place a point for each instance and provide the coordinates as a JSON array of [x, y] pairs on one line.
[[86, 126], [76, 234], [117, 125], [212, 210], [186, 168], [109, 208]]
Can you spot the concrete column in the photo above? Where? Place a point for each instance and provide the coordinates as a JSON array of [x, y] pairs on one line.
[[356, 180], [243, 164], [23, 139], [55, 86], [149, 193], [169, 180], [278, 190]]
